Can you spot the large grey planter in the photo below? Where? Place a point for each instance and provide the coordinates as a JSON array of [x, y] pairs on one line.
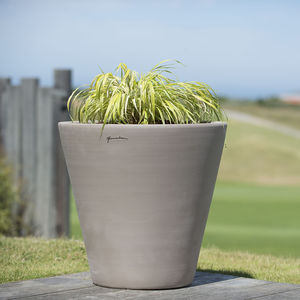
[[143, 194]]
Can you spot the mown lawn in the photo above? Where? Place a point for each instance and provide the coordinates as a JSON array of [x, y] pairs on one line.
[[28, 258], [260, 156], [284, 114], [258, 219]]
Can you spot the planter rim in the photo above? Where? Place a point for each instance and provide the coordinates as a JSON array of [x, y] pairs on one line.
[[212, 124]]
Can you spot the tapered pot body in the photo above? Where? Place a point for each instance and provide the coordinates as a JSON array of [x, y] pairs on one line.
[[143, 194]]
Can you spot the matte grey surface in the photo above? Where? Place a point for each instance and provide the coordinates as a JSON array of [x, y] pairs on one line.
[[143, 194], [204, 286]]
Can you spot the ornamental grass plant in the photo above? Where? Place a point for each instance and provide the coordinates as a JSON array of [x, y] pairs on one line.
[[128, 97]]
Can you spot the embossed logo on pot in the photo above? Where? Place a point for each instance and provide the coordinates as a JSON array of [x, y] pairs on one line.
[[110, 139]]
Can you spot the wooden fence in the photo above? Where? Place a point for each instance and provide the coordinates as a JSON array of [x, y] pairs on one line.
[[29, 136]]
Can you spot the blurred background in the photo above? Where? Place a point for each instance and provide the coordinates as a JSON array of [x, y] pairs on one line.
[[248, 51]]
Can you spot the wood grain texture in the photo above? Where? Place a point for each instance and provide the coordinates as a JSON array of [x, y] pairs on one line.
[[12, 128], [29, 135], [29, 89], [4, 84], [205, 286]]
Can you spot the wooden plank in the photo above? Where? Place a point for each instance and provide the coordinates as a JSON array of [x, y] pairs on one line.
[[205, 286], [53, 189], [62, 182], [45, 285], [12, 129], [61, 92], [63, 79], [4, 83], [29, 88], [45, 212], [11, 138], [293, 294]]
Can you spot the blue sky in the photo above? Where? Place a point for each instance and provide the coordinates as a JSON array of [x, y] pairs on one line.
[[241, 48]]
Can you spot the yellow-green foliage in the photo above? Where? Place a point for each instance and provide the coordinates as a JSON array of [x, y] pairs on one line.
[[151, 98]]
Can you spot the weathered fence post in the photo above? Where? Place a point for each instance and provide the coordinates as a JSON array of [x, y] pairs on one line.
[[63, 79], [4, 83], [11, 128], [45, 214], [52, 183], [53, 186], [29, 90], [11, 140], [62, 82]]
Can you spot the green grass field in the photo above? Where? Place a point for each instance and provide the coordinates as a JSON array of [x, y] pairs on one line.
[[284, 114], [28, 258], [258, 219], [260, 156], [256, 204]]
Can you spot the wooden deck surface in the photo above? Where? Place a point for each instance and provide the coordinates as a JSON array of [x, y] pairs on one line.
[[205, 286]]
